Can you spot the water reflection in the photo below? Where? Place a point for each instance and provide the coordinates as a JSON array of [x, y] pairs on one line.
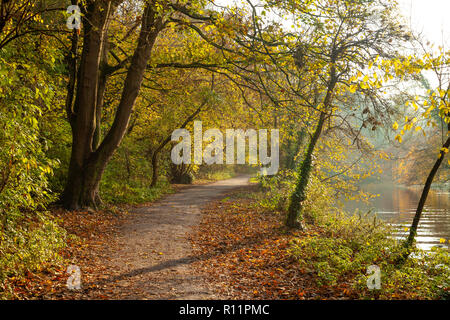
[[397, 205]]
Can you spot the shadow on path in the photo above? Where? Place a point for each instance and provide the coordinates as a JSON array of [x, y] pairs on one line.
[[155, 256]]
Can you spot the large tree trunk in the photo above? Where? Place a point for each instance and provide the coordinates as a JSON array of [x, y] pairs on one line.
[[95, 22], [87, 165], [423, 197]]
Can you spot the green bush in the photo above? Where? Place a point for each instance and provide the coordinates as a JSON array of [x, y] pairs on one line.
[[24, 167], [31, 246], [277, 189], [29, 239], [347, 245]]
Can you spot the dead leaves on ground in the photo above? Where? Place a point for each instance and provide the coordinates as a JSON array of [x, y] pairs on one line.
[[88, 232], [244, 252]]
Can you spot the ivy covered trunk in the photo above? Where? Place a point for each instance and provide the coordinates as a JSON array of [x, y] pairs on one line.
[[304, 171]]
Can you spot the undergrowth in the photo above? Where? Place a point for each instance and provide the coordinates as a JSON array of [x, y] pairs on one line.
[[30, 246], [343, 246]]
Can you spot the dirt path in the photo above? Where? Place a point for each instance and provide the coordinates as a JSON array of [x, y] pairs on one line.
[[155, 255]]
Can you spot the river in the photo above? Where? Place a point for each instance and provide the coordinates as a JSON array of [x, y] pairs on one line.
[[397, 205]]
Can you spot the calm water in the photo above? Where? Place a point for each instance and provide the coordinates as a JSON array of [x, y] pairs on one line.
[[397, 205]]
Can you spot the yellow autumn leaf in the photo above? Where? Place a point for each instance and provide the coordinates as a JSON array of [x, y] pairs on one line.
[[395, 126]]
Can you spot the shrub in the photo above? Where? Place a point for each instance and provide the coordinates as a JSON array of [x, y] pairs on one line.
[[29, 239], [347, 245], [277, 189], [31, 246]]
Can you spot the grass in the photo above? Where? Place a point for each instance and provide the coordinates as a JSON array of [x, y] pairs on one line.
[[134, 192]]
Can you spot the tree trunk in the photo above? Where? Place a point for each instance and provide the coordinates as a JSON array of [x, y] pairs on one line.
[[155, 154], [293, 149], [87, 165], [83, 117], [423, 197], [101, 88], [155, 167], [299, 194], [71, 62]]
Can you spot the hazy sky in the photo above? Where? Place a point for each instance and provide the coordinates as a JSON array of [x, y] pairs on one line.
[[431, 17]]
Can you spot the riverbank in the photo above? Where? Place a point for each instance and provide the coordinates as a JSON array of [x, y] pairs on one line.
[[237, 248], [247, 253], [397, 204]]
